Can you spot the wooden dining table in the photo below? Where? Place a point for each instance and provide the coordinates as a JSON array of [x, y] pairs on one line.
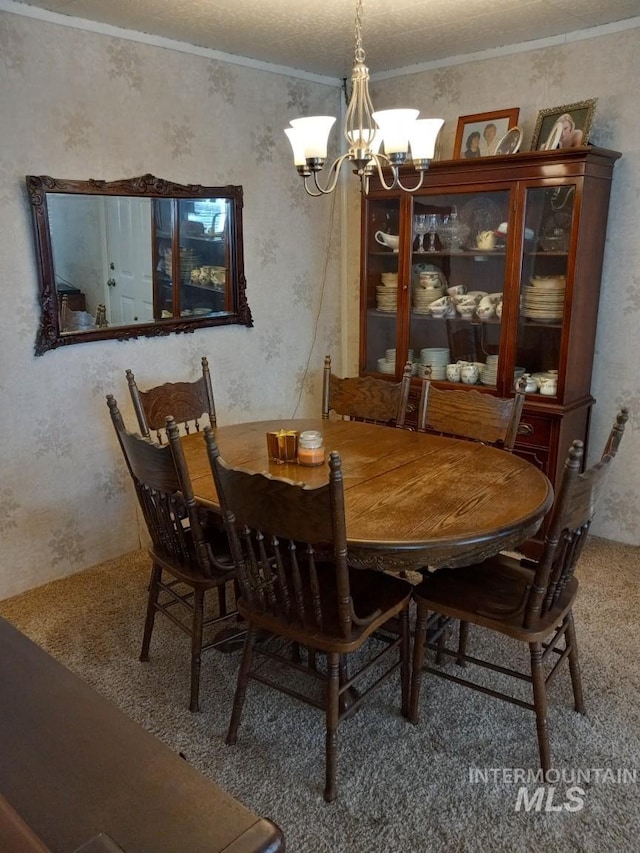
[[411, 499]]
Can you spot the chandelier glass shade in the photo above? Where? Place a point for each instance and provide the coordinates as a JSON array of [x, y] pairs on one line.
[[403, 137]]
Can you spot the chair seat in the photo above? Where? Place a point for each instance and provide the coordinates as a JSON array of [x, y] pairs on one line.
[[371, 592], [493, 594]]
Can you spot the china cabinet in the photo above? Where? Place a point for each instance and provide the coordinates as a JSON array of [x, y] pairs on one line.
[[497, 263]]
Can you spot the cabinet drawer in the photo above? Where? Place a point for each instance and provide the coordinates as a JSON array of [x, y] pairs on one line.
[[537, 457], [534, 429]]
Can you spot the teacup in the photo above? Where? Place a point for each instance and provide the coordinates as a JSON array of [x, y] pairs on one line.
[[391, 241], [469, 374], [430, 280], [442, 302], [457, 290], [548, 386], [453, 372], [486, 240], [530, 384], [466, 309], [485, 312]]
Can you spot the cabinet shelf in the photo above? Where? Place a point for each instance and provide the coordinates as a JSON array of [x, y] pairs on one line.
[[461, 253]]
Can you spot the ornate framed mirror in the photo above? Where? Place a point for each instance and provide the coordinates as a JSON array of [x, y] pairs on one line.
[[137, 257]]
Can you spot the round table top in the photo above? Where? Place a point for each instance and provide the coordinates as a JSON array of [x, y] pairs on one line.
[[411, 499]]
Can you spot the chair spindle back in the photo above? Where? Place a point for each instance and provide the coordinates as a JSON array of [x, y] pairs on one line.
[[165, 494], [471, 414], [186, 402], [365, 398], [573, 511], [280, 533]]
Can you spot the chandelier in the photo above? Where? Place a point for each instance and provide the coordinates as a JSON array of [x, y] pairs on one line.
[[398, 131]]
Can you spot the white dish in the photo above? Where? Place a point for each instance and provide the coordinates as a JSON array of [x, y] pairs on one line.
[[510, 142]]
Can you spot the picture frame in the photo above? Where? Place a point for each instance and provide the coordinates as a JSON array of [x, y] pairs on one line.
[[566, 126], [477, 135]]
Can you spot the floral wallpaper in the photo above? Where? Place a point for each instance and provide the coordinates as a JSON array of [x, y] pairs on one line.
[[82, 105], [76, 104]]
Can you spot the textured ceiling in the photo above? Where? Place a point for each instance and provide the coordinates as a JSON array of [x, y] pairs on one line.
[[318, 37]]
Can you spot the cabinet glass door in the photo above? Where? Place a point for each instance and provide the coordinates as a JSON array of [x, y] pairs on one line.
[[543, 285], [458, 268], [382, 288], [203, 255]]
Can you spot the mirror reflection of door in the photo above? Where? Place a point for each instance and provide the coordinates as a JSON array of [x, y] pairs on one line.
[[129, 281], [101, 255]]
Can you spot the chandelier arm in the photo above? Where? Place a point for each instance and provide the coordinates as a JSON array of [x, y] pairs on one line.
[[410, 189], [397, 183], [394, 170], [334, 172]]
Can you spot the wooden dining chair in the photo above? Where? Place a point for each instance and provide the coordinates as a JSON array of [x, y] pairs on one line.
[[289, 546], [470, 414], [531, 602], [366, 398], [184, 563], [186, 402]]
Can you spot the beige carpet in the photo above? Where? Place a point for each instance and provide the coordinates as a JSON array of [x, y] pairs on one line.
[[401, 788]]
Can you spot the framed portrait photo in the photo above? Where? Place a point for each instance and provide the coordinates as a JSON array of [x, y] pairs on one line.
[[478, 135], [567, 126]]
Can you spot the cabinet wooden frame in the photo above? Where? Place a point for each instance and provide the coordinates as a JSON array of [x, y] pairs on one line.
[[549, 423]]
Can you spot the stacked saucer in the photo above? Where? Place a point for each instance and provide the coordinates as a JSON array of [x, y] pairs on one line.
[[543, 299], [387, 292], [387, 364], [437, 358], [424, 296], [489, 372]]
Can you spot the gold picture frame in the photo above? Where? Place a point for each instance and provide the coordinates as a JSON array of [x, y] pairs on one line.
[[474, 128], [566, 126]]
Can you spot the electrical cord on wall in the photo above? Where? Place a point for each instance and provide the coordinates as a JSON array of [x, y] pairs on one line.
[[322, 290]]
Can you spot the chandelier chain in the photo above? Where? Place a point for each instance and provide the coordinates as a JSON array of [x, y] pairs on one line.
[[359, 50], [365, 131]]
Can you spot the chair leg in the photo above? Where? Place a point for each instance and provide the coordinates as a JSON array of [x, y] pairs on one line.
[[443, 629], [574, 665], [405, 666], [540, 703], [462, 643], [222, 600], [332, 714], [418, 662], [152, 600], [241, 687], [196, 648]]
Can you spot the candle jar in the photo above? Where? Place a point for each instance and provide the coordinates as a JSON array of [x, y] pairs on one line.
[[310, 448], [282, 445]]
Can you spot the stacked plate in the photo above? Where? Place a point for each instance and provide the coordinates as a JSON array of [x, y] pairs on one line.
[[437, 358], [387, 299], [387, 292], [543, 299], [489, 373], [189, 260], [424, 296]]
